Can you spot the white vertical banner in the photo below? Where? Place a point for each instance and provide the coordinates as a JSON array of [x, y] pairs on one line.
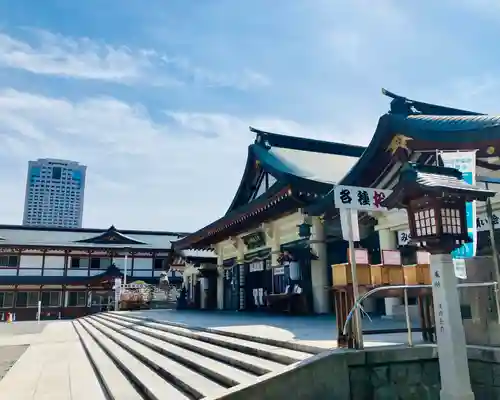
[[118, 290], [345, 214], [465, 162]]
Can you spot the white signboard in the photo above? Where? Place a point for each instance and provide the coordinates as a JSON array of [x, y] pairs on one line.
[[345, 214], [404, 237], [279, 271], [465, 162], [118, 289], [423, 258], [360, 198], [460, 269], [391, 257], [483, 223], [361, 256]]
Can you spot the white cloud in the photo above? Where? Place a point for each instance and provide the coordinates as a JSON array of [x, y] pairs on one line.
[[83, 58], [178, 173]]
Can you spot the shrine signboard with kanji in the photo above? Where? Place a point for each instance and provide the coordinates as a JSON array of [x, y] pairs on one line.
[[483, 223], [360, 198]]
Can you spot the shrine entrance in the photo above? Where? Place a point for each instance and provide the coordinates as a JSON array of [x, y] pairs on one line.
[[231, 287]]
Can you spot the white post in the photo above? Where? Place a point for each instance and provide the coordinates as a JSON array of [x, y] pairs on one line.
[[355, 289], [39, 315], [125, 268], [453, 361]]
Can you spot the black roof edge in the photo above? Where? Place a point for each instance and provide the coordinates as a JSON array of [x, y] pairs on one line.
[[426, 108], [307, 144], [92, 230]]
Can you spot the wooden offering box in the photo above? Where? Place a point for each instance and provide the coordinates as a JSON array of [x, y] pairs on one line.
[[392, 264], [379, 274], [418, 274], [342, 274], [387, 274]]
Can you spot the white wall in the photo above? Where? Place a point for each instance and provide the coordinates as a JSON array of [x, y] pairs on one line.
[[54, 261], [33, 261], [143, 263]]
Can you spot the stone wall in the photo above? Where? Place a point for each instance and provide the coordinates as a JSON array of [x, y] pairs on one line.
[[399, 373], [413, 373]]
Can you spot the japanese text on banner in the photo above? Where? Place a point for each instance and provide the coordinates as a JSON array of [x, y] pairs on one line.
[[360, 198], [465, 162]]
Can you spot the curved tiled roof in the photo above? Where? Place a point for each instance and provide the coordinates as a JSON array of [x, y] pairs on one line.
[[454, 122]]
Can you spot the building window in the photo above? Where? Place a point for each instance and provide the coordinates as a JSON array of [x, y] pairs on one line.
[[101, 299], [27, 299], [56, 173], [9, 261], [77, 299], [160, 263], [75, 262], [6, 299], [51, 299], [95, 263]]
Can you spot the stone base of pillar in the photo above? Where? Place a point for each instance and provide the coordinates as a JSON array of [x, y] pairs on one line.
[[451, 345], [453, 396], [220, 292], [320, 298]]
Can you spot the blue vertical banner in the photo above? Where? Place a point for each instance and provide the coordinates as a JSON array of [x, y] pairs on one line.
[[465, 162]]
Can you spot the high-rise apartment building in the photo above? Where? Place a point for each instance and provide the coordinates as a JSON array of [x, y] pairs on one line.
[[54, 193]]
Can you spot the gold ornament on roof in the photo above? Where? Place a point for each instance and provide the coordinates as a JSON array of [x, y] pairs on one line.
[[398, 142], [490, 150]]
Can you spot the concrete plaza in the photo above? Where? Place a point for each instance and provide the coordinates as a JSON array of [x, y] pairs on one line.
[[54, 366], [318, 331]]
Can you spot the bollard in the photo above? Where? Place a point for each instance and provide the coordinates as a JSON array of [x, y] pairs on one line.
[[9, 318]]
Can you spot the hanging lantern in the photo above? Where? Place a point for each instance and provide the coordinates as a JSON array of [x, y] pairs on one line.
[[435, 198], [304, 230]]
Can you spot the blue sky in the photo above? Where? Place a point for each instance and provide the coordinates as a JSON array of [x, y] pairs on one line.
[[156, 96]]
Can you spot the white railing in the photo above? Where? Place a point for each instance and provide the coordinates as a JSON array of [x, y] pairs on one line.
[[357, 303]]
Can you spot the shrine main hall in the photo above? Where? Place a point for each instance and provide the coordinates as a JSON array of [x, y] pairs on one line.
[[282, 232]]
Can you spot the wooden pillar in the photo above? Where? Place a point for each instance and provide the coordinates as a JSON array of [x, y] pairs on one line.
[[62, 301], [19, 253], [66, 261], [153, 263], [43, 261], [14, 308], [89, 259]]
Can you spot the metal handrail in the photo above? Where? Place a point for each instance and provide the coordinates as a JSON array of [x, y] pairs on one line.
[[358, 302]]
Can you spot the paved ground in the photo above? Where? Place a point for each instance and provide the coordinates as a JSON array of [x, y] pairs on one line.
[[313, 330], [53, 367], [22, 328], [8, 357]]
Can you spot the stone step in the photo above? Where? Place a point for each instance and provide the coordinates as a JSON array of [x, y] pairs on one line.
[[292, 345], [113, 381], [215, 370], [154, 386], [135, 358], [193, 384], [276, 352], [246, 362]]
